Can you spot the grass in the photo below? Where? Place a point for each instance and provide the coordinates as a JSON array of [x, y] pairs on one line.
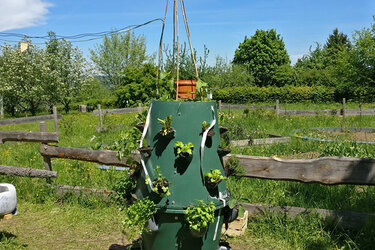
[[71, 222]]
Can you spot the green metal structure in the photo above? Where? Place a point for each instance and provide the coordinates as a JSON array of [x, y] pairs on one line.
[[185, 175]]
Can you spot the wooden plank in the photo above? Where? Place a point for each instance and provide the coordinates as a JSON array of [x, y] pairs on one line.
[[242, 106], [117, 111], [28, 119], [348, 220], [106, 157], [326, 170], [27, 172], [25, 136], [271, 140], [78, 190]]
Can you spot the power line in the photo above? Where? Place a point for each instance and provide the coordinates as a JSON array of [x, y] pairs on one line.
[[74, 38]]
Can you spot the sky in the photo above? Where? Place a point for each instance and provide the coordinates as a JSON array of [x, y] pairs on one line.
[[218, 24]]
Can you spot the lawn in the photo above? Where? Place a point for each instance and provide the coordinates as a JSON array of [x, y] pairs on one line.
[[47, 220]]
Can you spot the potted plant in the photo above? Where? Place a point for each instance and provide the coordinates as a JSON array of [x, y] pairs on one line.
[[137, 216], [141, 120], [199, 217], [205, 126], [234, 210], [184, 150], [213, 178], [167, 131], [161, 184]]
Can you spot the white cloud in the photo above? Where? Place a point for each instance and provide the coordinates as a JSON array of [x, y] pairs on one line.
[[16, 14]]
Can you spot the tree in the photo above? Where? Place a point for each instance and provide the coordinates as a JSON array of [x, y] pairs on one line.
[[336, 43], [224, 74], [117, 52], [355, 68], [67, 72], [138, 85], [186, 64], [263, 53], [22, 75]]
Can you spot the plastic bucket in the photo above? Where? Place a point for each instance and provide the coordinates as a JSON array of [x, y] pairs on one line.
[[186, 88]]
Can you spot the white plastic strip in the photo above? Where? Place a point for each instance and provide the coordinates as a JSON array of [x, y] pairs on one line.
[[217, 225], [147, 123], [204, 138]]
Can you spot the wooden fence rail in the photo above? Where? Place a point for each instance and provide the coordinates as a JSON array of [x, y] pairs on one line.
[[29, 119], [44, 137], [27, 172], [326, 170], [117, 111], [284, 111], [106, 157]]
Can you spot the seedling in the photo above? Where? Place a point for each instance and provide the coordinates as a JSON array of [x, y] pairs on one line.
[[234, 204], [184, 150], [199, 217], [214, 178], [161, 184], [205, 126], [167, 129]]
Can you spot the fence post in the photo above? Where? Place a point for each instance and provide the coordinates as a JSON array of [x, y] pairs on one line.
[[360, 110], [46, 160], [55, 118], [139, 107], [220, 106], [343, 114], [100, 117], [277, 107], [229, 110], [286, 106], [1, 107]]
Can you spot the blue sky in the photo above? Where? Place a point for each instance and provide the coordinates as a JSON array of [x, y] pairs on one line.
[[220, 25]]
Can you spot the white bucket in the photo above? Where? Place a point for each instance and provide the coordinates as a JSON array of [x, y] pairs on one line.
[[8, 199]]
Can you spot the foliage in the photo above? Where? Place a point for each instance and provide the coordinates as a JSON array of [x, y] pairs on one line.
[[129, 141], [205, 125], [138, 85], [316, 94], [186, 65], [263, 53], [167, 123], [224, 74], [184, 149], [336, 43], [354, 70], [200, 216], [234, 203], [233, 167], [123, 189], [118, 51], [161, 184], [137, 216], [68, 69], [214, 176], [142, 116]]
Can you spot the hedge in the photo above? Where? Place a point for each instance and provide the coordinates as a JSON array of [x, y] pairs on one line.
[[317, 94]]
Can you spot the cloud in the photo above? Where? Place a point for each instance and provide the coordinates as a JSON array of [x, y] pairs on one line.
[[17, 14]]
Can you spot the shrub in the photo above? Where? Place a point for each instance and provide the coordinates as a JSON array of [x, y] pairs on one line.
[[287, 93]]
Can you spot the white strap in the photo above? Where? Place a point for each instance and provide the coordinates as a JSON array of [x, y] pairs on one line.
[[217, 225], [141, 144]]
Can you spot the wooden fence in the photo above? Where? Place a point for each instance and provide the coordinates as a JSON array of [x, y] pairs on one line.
[[31, 119], [284, 111], [326, 170], [101, 112]]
